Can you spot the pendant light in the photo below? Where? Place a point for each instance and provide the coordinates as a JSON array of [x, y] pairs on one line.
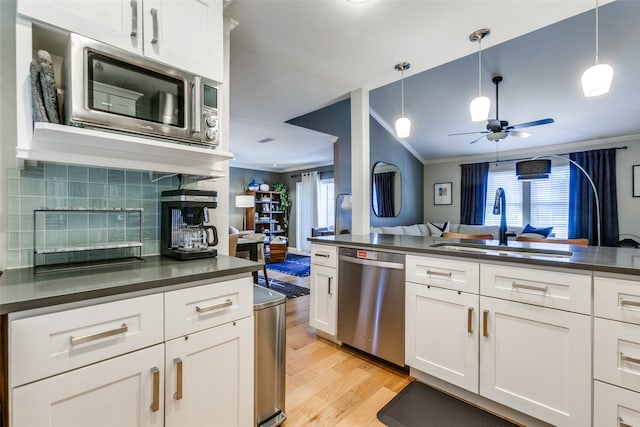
[[480, 105], [597, 79], [403, 124]]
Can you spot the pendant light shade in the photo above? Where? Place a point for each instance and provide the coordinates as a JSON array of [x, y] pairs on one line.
[[403, 127], [480, 105], [403, 124], [597, 79], [479, 108]]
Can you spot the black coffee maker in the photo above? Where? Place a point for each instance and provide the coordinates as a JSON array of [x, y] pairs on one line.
[[184, 233]]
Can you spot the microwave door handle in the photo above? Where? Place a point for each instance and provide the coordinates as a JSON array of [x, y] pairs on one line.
[[134, 18], [195, 104]]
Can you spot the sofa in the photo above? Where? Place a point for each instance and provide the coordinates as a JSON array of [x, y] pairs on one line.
[[433, 229]]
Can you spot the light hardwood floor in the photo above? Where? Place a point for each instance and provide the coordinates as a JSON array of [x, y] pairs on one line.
[[327, 385]]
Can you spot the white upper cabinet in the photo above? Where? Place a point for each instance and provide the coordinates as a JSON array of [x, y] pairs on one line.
[[187, 34]]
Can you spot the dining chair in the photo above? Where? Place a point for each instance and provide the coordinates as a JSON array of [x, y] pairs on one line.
[[259, 237], [450, 235], [579, 242], [233, 244]]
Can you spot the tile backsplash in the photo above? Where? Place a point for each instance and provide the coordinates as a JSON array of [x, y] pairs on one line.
[[65, 186]]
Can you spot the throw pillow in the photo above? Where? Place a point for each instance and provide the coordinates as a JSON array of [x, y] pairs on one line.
[[542, 232], [437, 229]]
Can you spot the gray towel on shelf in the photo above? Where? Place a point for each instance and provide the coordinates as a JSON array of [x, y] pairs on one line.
[[48, 83], [37, 101]]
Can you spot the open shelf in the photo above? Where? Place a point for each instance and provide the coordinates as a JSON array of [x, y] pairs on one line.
[[74, 145]]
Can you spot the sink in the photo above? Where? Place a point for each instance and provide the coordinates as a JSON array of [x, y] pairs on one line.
[[503, 250]]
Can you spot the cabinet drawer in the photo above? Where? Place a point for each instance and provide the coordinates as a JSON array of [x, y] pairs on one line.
[[201, 307], [616, 356], [48, 344], [443, 273], [324, 255], [615, 406], [617, 299], [548, 288]]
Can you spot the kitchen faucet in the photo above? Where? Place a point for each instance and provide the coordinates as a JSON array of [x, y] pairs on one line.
[[500, 208]]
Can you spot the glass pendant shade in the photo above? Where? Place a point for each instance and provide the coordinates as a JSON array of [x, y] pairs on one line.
[[403, 127], [597, 79], [479, 108]]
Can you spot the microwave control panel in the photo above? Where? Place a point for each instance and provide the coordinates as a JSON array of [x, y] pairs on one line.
[[210, 133]]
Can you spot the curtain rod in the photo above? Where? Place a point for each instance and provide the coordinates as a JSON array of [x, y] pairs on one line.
[[624, 147]]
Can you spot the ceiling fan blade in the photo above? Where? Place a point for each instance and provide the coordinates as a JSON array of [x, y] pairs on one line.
[[478, 139], [529, 124], [467, 133], [519, 134]]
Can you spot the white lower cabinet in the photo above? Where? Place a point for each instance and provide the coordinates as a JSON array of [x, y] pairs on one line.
[[615, 406], [536, 360], [209, 377], [107, 365], [323, 309], [126, 391], [441, 334]]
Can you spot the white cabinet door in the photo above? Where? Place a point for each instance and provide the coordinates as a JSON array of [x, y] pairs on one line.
[[615, 406], [536, 360], [441, 334], [323, 311], [187, 34], [210, 377], [115, 22], [117, 392]]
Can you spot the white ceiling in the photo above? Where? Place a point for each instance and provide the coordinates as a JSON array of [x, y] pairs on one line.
[[292, 57]]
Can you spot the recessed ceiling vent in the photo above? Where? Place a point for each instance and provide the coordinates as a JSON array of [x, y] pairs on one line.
[[265, 140]]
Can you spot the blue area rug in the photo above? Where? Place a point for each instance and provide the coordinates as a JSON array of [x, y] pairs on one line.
[[287, 289], [295, 265]]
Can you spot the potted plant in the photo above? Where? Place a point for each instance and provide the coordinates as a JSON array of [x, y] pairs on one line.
[[285, 204]]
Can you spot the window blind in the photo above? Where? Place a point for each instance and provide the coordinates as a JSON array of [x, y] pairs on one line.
[[507, 179], [550, 201]]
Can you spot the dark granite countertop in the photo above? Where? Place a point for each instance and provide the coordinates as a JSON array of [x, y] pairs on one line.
[[21, 289], [592, 258]]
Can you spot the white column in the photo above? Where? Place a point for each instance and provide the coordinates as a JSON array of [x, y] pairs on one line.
[[360, 174]]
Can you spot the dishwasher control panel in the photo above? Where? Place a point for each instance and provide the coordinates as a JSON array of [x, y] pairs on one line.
[[367, 255]]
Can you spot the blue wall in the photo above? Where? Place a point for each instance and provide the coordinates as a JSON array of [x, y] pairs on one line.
[[336, 120]]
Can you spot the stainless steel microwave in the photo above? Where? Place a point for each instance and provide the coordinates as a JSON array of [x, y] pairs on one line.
[[112, 89]]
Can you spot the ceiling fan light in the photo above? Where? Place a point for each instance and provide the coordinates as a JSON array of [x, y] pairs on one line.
[[479, 108], [596, 80], [403, 127]]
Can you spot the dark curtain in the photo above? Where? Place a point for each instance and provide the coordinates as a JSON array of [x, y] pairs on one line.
[[473, 193], [384, 184], [601, 167]]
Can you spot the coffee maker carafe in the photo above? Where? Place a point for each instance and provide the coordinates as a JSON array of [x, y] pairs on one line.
[[185, 232]]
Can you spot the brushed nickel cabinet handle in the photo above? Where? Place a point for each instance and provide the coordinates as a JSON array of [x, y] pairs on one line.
[[99, 335], [630, 303], [470, 320], [438, 273], [542, 289], [485, 323], [178, 394], [134, 18], [154, 14], [212, 307], [629, 359], [155, 405], [321, 254]]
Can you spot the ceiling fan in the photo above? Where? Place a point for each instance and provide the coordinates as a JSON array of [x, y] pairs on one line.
[[498, 130]]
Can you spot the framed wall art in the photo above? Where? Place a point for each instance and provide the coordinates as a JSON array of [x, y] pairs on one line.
[[442, 193]]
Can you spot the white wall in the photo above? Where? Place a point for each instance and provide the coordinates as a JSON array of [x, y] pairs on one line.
[[448, 170], [7, 113]]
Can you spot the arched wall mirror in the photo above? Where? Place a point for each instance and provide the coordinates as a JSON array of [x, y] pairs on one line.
[[386, 190]]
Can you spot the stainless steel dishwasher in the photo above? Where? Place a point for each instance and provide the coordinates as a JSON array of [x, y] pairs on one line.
[[371, 302]]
